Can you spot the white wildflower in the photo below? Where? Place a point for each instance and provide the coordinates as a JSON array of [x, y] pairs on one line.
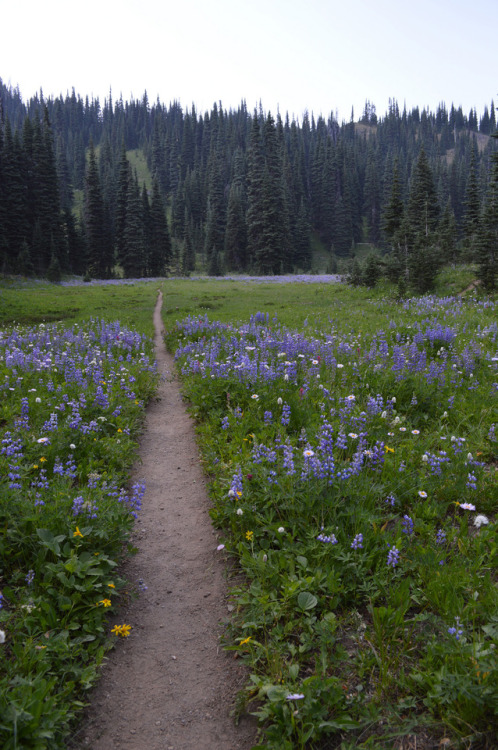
[[480, 520]]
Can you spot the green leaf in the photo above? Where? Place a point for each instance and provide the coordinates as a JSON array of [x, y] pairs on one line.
[[50, 541], [276, 693], [306, 601]]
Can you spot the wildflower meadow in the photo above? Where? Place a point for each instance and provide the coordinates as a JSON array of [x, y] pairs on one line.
[[350, 441], [71, 405], [353, 465]]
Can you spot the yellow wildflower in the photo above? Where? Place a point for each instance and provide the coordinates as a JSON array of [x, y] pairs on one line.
[[77, 532], [249, 535], [105, 602], [245, 641]]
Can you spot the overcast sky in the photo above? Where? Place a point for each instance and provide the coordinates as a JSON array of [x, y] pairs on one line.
[[294, 55]]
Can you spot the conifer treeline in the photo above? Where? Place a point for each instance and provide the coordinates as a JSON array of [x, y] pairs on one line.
[[244, 191]]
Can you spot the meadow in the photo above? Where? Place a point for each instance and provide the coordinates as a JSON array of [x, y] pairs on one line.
[[350, 442], [73, 391]]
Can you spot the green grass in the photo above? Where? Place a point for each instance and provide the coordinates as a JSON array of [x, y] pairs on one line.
[[38, 302], [292, 303], [138, 162]]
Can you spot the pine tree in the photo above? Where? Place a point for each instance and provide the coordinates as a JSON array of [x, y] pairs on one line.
[[124, 179], [133, 259], [371, 197], [448, 235], [302, 255], [188, 251], [15, 230], [423, 259], [392, 216], [98, 261], [216, 216], [275, 230], [146, 231], [255, 175], [472, 203], [487, 246], [423, 208], [160, 247], [236, 231], [372, 271]]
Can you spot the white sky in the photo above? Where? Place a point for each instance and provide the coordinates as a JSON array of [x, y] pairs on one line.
[[294, 55]]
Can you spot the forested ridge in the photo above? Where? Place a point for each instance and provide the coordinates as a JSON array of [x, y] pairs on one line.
[[242, 191]]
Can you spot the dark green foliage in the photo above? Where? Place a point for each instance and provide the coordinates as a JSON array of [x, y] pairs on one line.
[[393, 212], [236, 231], [133, 259], [371, 197], [372, 270], [423, 207], [159, 252], [302, 241], [355, 276], [447, 232], [98, 240], [487, 244], [423, 256], [255, 175], [472, 204], [242, 192]]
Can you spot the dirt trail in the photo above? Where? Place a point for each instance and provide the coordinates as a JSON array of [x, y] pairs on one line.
[[170, 686]]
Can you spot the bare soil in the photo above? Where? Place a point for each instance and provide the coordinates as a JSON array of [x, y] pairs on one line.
[[170, 685]]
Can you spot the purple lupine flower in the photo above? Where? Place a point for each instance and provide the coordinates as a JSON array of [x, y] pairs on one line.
[[357, 542], [326, 538], [393, 557], [286, 411], [471, 481], [457, 631], [441, 537], [30, 577], [407, 523]]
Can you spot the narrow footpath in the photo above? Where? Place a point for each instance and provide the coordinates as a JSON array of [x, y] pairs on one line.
[[170, 685]]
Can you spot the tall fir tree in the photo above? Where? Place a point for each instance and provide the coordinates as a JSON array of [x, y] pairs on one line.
[[424, 258], [472, 214], [236, 231], [160, 248], [274, 242], [133, 259], [487, 246], [98, 243], [255, 175], [121, 193]]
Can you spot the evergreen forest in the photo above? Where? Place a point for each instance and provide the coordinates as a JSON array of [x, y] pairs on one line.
[[244, 192]]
